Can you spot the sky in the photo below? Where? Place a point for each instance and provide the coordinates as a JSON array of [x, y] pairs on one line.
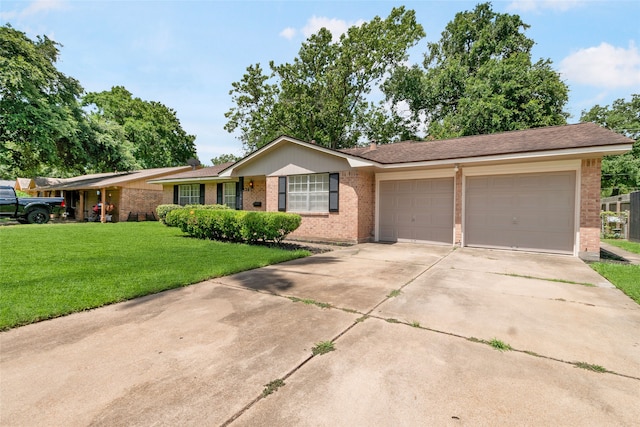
[[186, 54]]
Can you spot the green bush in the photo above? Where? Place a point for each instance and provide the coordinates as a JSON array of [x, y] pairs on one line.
[[163, 210], [234, 226]]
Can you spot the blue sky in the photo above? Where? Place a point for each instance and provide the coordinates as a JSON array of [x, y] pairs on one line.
[[185, 54]]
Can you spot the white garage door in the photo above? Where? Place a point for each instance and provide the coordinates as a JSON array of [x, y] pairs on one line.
[[524, 211], [417, 210]]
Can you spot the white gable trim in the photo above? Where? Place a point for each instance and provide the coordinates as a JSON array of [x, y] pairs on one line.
[[353, 161]]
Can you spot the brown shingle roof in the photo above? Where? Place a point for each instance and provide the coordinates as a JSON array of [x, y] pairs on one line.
[[209, 171], [581, 135]]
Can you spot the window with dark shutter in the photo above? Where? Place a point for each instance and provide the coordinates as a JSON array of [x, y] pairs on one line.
[[176, 194], [282, 193], [219, 193], [201, 198], [239, 186], [334, 185]]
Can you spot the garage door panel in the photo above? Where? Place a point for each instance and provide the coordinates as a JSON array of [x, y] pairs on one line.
[[417, 210], [521, 211]]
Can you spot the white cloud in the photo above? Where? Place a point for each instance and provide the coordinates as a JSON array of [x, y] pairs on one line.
[[535, 5], [288, 33], [337, 27], [603, 66], [39, 6], [34, 8]]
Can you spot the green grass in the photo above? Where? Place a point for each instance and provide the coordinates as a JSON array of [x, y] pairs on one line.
[[272, 387], [624, 244], [56, 269], [590, 367], [322, 347], [625, 277], [499, 345]]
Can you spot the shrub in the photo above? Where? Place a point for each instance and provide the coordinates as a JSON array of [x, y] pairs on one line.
[[234, 226], [163, 210]]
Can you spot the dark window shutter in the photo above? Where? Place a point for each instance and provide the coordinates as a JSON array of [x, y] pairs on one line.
[[282, 193], [175, 194], [202, 194], [239, 187], [219, 190], [334, 185]]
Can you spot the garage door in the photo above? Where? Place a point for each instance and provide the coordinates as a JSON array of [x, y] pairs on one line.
[[418, 210], [524, 211]]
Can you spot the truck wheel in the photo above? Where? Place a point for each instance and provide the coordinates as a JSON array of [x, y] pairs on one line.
[[38, 216]]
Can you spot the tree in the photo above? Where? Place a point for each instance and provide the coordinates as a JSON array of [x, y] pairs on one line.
[[224, 158], [137, 134], [42, 126], [323, 94], [620, 174], [479, 78]]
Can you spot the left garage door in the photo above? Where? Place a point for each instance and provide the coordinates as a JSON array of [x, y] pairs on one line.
[[417, 210]]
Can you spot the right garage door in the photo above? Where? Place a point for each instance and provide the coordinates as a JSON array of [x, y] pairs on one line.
[[533, 212]]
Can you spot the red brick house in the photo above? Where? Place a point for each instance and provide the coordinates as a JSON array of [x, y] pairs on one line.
[[534, 190], [128, 192]]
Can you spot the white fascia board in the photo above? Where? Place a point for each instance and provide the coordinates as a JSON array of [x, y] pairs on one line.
[[189, 180], [599, 150]]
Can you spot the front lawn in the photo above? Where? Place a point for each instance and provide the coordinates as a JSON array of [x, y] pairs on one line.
[[624, 277], [624, 244], [56, 269]]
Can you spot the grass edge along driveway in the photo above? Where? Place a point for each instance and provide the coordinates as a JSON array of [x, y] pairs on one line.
[[51, 270], [623, 276]]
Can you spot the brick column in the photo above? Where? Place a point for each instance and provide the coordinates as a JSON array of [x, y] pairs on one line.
[[589, 245]]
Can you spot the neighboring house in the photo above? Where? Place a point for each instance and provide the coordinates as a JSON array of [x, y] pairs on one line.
[[8, 183], [534, 190], [128, 192]]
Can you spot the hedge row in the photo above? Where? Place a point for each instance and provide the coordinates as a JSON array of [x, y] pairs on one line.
[[232, 225], [163, 210]]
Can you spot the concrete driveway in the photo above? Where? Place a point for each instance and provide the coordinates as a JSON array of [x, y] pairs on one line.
[[202, 355]]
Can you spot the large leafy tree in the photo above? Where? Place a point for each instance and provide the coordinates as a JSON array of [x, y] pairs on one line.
[[42, 126], [620, 174], [323, 95], [137, 134], [479, 78]]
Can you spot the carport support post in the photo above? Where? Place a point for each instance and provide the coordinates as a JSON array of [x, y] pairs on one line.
[[103, 200]]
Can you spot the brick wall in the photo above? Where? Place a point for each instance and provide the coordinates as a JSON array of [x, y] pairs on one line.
[[589, 245], [138, 200], [458, 208], [257, 194], [353, 223]]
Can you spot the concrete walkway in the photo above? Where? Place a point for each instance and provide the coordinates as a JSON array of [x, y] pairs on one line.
[[411, 326]]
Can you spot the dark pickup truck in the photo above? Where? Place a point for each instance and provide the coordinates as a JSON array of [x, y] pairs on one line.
[[32, 210]]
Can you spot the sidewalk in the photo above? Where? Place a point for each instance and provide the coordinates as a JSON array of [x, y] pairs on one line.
[[629, 256]]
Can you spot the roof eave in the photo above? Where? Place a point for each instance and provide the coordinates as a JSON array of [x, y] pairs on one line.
[[607, 150], [184, 180]]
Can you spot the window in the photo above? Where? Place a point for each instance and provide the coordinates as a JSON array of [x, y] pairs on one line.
[[189, 194], [229, 194], [308, 193]]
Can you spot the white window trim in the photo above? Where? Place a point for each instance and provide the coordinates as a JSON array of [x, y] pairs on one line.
[[307, 193], [191, 196], [229, 198]]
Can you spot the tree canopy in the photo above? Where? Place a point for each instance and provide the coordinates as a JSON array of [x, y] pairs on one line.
[[42, 127], [47, 127], [620, 174], [479, 78], [149, 133], [323, 94]]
